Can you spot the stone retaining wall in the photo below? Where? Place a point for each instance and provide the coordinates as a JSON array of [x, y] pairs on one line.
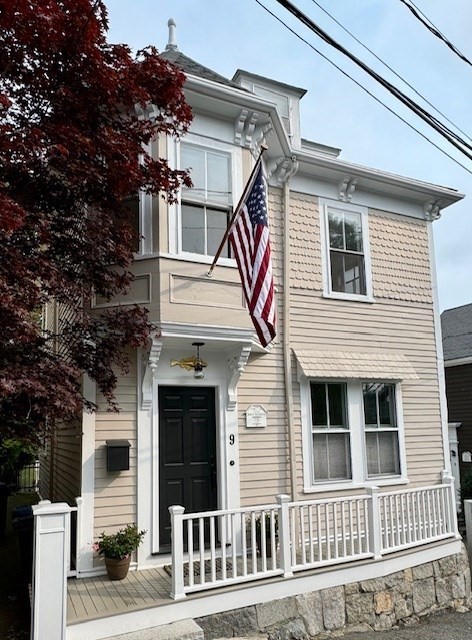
[[398, 599]]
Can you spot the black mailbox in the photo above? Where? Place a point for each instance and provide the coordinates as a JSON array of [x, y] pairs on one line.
[[118, 455]]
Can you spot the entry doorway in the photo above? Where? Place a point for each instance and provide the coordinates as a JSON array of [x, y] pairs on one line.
[[187, 453]]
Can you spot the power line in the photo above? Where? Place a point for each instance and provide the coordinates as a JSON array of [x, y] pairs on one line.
[[436, 124], [408, 124], [390, 69], [419, 15]]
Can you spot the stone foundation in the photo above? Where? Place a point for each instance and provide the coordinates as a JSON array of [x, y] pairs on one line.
[[398, 599]]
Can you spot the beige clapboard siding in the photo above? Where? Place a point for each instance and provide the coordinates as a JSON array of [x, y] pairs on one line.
[[60, 464], [387, 326], [263, 452], [115, 493]]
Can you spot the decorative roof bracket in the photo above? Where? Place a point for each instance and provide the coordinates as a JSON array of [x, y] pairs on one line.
[[236, 367], [432, 210], [150, 371], [347, 186]]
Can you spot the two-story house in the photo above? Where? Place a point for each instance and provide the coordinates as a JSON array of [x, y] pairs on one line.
[[334, 436]]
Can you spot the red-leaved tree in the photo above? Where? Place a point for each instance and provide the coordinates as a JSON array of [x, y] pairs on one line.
[[76, 114]]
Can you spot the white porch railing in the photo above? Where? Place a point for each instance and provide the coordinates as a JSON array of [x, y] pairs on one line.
[[216, 548], [416, 516]]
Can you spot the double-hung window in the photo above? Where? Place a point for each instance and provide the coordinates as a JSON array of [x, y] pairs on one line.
[[381, 429], [330, 432], [353, 434], [346, 249], [205, 207]]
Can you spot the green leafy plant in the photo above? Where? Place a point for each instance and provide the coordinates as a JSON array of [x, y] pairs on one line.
[[121, 544]]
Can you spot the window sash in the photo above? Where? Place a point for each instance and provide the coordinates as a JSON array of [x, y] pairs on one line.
[[201, 233], [381, 434], [346, 237], [210, 172], [331, 438]]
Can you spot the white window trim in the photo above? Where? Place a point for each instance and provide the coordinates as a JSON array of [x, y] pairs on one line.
[[324, 206], [355, 414], [174, 223]]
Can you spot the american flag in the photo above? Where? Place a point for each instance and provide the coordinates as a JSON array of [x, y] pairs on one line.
[[249, 237]]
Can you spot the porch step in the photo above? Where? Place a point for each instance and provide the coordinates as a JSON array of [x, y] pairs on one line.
[[183, 630]]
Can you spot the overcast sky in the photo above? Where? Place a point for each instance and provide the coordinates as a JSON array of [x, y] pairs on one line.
[[229, 34]]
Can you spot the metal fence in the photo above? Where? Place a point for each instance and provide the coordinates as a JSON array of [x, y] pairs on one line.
[[27, 478]]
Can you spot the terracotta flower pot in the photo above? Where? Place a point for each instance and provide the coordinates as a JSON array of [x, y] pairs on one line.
[[117, 569]]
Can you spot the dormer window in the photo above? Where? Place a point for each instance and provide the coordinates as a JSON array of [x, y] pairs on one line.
[[206, 207]]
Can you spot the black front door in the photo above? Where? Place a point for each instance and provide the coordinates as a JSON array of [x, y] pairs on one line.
[[187, 453]]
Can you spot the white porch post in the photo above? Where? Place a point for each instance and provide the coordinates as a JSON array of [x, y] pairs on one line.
[[284, 535], [177, 529], [374, 523], [448, 479], [50, 568]]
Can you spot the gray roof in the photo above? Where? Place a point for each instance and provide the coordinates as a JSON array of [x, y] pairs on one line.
[[457, 332], [190, 67]]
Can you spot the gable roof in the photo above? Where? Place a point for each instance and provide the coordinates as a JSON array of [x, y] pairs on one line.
[[190, 67], [457, 332]]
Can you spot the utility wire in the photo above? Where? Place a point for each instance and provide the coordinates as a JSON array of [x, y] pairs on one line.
[[408, 124], [449, 135], [419, 15], [390, 69]]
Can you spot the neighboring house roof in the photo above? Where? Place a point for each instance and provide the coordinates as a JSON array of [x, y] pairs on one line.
[[190, 67], [457, 332]]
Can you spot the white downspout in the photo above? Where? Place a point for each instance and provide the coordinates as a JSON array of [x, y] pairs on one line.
[[439, 352], [286, 320]]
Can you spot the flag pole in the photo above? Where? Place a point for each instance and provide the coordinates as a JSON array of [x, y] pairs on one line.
[[237, 210]]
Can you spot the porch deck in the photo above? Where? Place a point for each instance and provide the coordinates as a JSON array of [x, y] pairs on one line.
[[97, 597]]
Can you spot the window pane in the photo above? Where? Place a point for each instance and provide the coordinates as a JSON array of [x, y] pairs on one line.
[[335, 223], [382, 453], [193, 229], [337, 271], [331, 456], [318, 405], [194, 159], [132, 205], [218, 178], [370, 405], [320, 456], [387, 405], [336, 400], [217, 222], [353, 232], [354, 281]]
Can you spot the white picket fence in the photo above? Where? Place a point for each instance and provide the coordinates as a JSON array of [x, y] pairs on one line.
[[219, 548]]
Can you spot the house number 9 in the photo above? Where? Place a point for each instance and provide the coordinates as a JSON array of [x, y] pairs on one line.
[[231, 439]]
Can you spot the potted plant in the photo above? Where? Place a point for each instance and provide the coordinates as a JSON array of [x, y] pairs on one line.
[[267, 519], [117, 548]]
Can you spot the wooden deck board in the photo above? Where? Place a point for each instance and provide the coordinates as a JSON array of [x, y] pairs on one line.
[[98, 596]]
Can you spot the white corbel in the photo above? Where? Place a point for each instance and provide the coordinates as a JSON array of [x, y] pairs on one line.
[[236, 366], [250, 127], [149, 373], [432, 210], [239, 126], [260, 138], [347, 186]]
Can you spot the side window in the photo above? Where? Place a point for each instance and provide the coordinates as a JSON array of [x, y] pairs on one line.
[[346, 251], [330, 432], [353, 433], [381, 429], [205, 208], [132, 206]]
